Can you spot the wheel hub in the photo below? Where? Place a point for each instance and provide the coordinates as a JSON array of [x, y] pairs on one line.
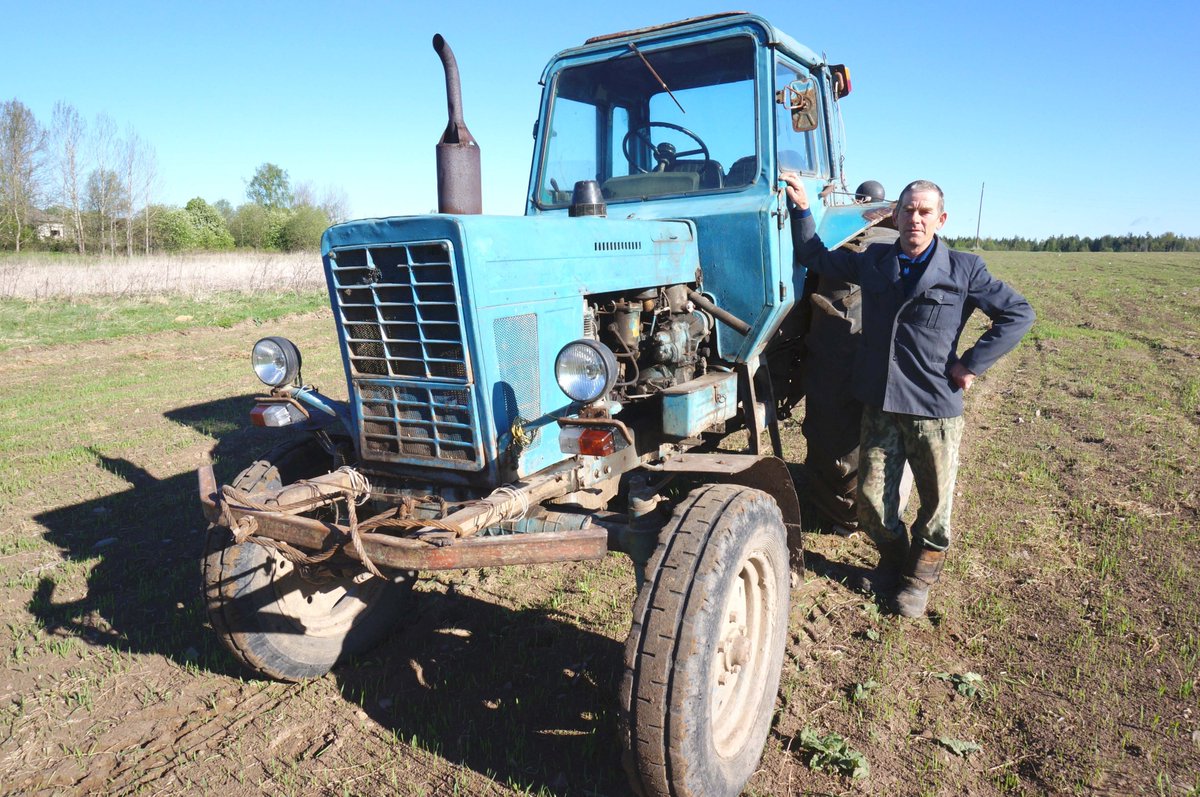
[[741, 652], [321, 603]]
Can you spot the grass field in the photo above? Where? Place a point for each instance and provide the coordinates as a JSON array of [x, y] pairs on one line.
[[1062, 654]]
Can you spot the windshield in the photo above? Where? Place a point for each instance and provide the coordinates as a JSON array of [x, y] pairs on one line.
[[615, 123]]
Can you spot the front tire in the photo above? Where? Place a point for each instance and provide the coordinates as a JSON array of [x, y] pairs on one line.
[[286, 622], [704, 655]]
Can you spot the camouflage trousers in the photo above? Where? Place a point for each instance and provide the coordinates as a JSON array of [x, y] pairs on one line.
[[930, 446]]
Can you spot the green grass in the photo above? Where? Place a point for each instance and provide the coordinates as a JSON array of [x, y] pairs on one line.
[[52, 322], [1071, 590]]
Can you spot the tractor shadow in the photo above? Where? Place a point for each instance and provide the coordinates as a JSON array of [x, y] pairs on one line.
[[524, 697], [143, 593]]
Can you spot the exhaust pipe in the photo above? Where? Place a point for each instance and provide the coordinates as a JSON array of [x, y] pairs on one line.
[[458, 181]]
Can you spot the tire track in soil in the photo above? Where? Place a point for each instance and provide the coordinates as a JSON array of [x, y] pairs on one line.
[[193, 735]]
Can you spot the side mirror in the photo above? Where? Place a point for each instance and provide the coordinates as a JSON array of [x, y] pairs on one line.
[[800, 98]]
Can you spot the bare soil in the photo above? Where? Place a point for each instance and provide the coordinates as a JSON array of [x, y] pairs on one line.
[[1071, 593]]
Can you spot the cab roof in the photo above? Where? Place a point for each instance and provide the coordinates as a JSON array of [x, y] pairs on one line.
[[665, 26], [691, 25]]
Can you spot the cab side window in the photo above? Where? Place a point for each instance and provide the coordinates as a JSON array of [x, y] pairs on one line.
[[804, 151]]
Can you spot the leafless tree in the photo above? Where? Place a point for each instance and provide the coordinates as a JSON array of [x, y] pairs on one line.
[[22, 145], [335, 203], [332, 200], [104, 193], [304, 194], [67, 135], [147, 185], [131, 148]]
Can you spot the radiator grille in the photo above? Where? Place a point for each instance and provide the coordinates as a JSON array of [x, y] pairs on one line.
[[398, 306], [416, 421]]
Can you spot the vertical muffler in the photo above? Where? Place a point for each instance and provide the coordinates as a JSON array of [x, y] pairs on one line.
[[458, 181]]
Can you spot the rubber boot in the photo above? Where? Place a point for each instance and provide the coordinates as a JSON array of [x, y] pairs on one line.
[[885, 578], [923, 571]]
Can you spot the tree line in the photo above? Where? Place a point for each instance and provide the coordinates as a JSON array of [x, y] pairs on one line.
[[1166, 242], [77, 186]]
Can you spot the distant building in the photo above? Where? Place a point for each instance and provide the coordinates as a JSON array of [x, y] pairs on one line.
[[47, 226]]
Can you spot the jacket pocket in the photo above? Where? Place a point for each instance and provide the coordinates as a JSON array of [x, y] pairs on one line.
[[936, 307]]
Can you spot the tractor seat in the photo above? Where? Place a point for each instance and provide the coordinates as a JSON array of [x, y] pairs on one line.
[[710, 172], [742, 172]]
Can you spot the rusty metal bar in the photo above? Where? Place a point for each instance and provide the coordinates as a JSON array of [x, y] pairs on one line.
[[403, 553]]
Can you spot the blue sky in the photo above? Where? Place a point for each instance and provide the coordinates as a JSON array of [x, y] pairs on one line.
[[1080, 117]]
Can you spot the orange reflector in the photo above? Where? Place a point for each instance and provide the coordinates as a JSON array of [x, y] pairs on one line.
[[271, 415], [597, 442], [841, 79]]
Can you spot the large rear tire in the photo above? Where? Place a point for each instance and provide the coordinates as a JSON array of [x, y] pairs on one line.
[[286, 622], [705, 653]]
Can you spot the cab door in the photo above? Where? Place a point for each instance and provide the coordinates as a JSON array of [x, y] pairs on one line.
[[801, 134]]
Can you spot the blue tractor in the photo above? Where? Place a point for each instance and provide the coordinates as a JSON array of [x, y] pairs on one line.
[[552, 387]]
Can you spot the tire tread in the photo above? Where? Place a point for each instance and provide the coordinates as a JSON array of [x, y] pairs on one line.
[[653, 638]]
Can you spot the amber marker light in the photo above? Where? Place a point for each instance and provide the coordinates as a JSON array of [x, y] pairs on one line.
[[593, 441]]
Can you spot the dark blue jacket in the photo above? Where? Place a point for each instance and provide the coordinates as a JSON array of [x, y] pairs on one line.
[[910, 338]]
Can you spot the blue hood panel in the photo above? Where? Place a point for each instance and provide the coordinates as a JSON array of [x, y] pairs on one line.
[[449, 326]]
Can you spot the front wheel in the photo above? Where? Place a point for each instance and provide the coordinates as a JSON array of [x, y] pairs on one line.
[[705, 652], [285, 621]]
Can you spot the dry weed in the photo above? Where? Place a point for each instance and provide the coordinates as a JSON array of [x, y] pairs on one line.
[[38, 276]]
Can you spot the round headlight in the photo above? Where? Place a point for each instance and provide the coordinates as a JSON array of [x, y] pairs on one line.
[[276, 361], [585, 370]]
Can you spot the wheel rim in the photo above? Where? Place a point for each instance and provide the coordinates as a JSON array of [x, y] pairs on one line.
[[742, 653], [325, 609]]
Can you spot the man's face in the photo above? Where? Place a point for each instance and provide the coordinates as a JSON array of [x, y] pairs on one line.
[[918, 218]]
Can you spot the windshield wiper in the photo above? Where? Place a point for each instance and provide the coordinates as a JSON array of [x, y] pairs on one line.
[[661, 82]]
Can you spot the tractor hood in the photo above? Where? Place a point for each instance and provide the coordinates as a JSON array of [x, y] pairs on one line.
[[449, 327]]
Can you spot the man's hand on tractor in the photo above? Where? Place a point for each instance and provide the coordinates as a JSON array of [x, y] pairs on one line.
[[795, 189]]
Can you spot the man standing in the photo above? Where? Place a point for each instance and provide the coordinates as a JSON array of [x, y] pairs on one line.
[[917, 296]]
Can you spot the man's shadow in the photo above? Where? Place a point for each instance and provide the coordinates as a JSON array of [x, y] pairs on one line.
[[526, 697]]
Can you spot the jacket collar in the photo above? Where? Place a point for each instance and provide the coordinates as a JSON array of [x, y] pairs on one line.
[[889, 269], [939, 265]]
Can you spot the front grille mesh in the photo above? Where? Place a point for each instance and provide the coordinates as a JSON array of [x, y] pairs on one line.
[[517, 352], [409, 421], [398, 306]]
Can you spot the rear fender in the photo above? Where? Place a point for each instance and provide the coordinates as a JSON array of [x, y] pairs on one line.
[[841, 223]]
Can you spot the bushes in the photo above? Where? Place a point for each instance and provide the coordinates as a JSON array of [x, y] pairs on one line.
[[303, 230], [200, 226], [173, 230], [209, 226], [197, 226]]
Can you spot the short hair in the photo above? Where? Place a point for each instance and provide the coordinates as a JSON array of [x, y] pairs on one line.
[[924, 185]]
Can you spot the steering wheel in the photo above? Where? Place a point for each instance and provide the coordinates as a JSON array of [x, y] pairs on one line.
[[664, 154]]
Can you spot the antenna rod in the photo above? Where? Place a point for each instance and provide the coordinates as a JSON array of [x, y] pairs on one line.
[[979, 217]]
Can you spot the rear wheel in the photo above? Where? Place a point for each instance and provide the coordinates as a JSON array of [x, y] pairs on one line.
[[285, 621], [704, 654]]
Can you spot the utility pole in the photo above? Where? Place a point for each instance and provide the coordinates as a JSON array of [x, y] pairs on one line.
[[979, 217]]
